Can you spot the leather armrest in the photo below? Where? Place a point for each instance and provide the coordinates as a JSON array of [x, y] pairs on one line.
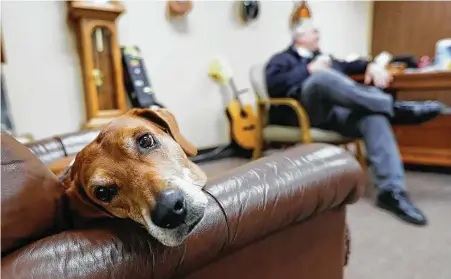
[[31, 197], [287, 187], [245, 204]]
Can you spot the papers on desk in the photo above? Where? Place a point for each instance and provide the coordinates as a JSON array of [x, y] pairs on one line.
[[427, 69]]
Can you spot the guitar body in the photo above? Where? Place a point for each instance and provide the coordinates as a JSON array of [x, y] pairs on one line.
[[242, 124], [242, 118]]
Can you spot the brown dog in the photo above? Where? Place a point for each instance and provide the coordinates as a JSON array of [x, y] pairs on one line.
[[138, 168]]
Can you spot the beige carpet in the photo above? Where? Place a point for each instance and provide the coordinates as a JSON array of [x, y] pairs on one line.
[[384, 247]]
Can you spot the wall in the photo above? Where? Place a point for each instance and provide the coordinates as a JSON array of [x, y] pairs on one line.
[[43, 73]]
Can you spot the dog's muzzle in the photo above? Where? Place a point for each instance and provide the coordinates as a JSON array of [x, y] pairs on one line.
[[175, 212], [170, 209]]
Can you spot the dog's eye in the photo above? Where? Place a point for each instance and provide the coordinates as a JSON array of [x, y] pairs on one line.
[[146, 141], [105, 194]]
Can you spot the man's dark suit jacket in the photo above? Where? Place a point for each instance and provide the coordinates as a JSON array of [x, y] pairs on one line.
[[285, 73]]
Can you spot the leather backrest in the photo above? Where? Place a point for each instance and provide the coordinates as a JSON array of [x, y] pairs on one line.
[[47, 150], [31, 196], [59, 147], [75, 142]]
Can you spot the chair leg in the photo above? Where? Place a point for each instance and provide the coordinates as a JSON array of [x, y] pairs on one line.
[[259, 141], [257, 152], [359, 153]]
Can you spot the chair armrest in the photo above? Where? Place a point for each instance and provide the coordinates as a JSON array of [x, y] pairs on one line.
[[300, 111], [245, 205]]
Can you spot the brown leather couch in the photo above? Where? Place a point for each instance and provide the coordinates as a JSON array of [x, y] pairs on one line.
[[281, 216], [57, 152]]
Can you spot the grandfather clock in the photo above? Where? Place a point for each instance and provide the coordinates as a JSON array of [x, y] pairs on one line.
[[95, 25]]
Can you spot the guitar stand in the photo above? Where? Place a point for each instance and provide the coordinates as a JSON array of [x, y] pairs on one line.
[[228, 151]]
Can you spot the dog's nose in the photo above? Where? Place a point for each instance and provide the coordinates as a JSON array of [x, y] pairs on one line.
[[169, 210]]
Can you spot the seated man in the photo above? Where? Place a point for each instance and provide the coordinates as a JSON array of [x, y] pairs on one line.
[[336, 102]]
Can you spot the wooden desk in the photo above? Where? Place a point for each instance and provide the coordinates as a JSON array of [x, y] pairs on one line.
[[430, 142]]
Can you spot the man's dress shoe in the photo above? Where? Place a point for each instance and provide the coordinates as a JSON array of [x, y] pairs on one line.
[[399, 204], [412, 112]]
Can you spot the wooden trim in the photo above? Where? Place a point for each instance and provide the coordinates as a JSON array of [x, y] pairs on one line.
[[417, 81], [118, 70], [426, 156], [370, 27], [79, 9], [86, 28], [2, 46]]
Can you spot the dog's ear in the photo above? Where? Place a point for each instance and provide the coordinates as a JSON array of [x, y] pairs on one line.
[[165, 119], [78, 200]]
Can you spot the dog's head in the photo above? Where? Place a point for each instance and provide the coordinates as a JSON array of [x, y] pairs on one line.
[[138, 168]]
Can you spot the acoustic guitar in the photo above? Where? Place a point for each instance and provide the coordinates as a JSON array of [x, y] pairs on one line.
[[241, 117]]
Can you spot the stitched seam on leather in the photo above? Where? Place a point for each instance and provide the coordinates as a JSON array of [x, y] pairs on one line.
[[181, 260], [62, 145], [225, 216], [12, 162]]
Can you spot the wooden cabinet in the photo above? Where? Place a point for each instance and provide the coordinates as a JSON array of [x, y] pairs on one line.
[[427, 144], [430, 142]]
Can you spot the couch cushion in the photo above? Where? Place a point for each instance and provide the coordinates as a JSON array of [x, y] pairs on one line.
[[31, 196]]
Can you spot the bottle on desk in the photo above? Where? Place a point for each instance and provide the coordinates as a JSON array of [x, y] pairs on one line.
[[443, 54]]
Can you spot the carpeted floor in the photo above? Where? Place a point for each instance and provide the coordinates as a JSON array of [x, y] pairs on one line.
[[384, 247]]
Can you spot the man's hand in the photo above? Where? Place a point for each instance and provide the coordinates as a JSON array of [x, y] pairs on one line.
[[319, 64], [378, 75]]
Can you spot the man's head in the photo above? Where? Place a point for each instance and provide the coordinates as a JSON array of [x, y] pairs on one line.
[[305, 34], [138, 168]]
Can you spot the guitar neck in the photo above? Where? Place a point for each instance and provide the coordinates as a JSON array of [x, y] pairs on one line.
[[234, 89]]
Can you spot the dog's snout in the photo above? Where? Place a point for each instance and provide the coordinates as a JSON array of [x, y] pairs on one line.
[[170, 209]]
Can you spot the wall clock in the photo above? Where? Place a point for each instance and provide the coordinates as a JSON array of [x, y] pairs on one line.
[[95, 25]]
